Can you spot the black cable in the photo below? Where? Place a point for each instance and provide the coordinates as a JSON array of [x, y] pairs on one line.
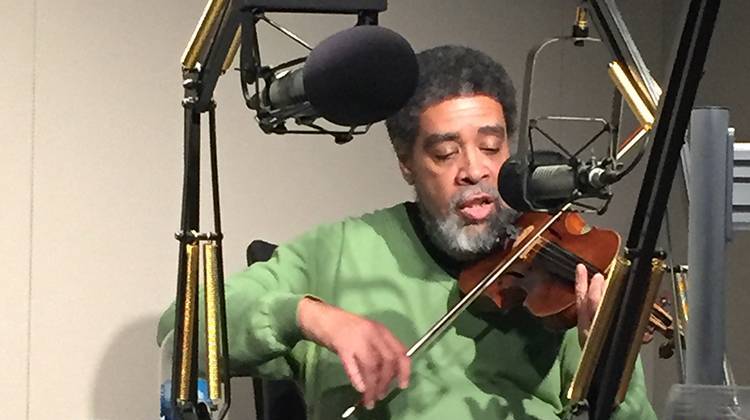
[[633, 164]]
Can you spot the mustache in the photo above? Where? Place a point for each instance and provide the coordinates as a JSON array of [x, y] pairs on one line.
[[469, 191]]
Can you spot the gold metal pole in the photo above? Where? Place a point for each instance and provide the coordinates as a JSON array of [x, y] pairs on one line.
[[630, 142], [211, 16], [601, 324], [682, 301], [657, 272], [582, 18], [191, 293], [643, 110], [211, 271], [232, 50]]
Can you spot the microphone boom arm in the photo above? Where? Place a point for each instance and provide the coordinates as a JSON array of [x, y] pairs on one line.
[[611, 371]]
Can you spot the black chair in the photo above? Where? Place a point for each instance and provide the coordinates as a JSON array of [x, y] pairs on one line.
[[274, 399]]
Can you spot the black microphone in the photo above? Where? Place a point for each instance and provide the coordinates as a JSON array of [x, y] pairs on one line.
[[550, 180], [358, 76]]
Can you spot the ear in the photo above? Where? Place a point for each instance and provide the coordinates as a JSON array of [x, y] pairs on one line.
[[406, 171]]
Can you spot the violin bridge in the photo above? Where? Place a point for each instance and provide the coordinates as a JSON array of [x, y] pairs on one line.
[[525, 233]]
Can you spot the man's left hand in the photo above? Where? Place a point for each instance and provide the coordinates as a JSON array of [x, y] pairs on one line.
[[588, 296]]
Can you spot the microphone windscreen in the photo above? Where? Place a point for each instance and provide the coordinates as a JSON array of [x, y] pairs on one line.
[[360, 75], [548, 183], [511, 183]]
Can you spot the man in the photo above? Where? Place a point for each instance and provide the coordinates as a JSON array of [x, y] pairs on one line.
[[337, 307]]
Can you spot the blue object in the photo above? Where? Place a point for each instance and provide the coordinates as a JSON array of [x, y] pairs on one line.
[[165, 412]]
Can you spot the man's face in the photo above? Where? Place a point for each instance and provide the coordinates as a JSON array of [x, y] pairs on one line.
[[458, 152]]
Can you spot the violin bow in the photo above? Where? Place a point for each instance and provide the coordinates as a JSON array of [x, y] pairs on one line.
[[450, 316]]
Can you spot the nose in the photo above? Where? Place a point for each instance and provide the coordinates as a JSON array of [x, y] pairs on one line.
[[474, 168]]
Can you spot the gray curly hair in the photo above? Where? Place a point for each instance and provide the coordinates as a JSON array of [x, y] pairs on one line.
[[447, 72]]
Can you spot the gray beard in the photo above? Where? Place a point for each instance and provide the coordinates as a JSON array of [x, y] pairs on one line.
[[456, 238]]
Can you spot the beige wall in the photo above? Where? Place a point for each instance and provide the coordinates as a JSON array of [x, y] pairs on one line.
[[91, 175], [16, 109]]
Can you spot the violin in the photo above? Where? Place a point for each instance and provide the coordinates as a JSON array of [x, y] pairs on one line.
[[542, 278]]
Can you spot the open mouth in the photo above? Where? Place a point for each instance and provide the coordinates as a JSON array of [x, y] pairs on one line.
[[477, 208]]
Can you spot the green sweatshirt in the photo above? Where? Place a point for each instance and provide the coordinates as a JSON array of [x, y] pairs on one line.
[[507, 367]]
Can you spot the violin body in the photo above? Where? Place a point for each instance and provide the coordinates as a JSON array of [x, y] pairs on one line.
[[543, 278]]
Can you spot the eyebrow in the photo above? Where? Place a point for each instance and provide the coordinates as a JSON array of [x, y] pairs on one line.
[[497, 130], [437, 138]]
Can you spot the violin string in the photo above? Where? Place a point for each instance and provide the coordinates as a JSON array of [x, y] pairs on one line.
[[570, 258], [566, 255], [560, 257], [568, 263], [562, 262]]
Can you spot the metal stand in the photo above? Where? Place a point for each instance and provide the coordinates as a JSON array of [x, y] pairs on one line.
[[184, 400], [208, 55], [668, 139], [709, 230]]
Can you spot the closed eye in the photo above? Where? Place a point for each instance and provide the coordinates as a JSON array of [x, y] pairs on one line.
[[444, 150], [445, 156]]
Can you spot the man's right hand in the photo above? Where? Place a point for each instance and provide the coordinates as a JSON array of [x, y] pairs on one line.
[[372, 356]]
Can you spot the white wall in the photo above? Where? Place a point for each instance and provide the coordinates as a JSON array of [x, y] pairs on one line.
[[91, 174]]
